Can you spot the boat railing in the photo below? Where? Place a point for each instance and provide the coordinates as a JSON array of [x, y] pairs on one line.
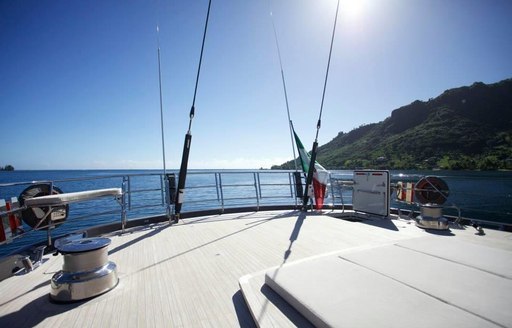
[[233, 188], [468, 201], [146, 195]]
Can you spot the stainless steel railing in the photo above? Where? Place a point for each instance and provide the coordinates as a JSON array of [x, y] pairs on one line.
[[145, 195]]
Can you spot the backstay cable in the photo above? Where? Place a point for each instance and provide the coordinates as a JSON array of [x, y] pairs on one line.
[[290, 124], [315, 143], [166, 181], [188, 137]]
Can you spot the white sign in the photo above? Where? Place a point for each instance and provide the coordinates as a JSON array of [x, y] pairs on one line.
[[371, 192]]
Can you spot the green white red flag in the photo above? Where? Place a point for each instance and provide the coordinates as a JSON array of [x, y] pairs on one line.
[[320, 175]]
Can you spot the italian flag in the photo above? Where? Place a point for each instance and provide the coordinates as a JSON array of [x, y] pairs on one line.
[[320, 175]]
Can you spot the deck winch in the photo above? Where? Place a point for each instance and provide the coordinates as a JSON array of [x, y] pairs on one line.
[[431, 217], [431, 193], [86, 271]]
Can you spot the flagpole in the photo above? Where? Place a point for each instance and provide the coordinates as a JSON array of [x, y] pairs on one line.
[[319, 123]]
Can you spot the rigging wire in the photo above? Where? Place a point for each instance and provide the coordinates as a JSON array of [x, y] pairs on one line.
[[319, 123], [192, 109], [166, 179], [161, 101], [327, 72], [284, 89], [188, 137]]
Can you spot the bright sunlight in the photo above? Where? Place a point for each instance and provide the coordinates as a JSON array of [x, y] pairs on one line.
[[352, 9]]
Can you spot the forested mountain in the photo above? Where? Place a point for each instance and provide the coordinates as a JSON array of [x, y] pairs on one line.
[[463, 128]]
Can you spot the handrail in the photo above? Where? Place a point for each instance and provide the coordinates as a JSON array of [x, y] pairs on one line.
[[225, 193], [208, 190]]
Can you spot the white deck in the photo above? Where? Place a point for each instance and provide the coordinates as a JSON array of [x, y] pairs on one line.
[[187, 275]]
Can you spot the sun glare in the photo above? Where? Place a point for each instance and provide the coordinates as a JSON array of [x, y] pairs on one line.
[[352, 9]]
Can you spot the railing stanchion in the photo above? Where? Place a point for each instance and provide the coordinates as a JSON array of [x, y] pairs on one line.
[[125, 189], [129, 190], [167, 194], [257, 189], [164, 186], [221, 193], [332, 190], [217, 186]]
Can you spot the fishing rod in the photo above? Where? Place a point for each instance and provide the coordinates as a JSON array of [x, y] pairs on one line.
[[319, 123], [188, 137], [290, 124], [168, 196]]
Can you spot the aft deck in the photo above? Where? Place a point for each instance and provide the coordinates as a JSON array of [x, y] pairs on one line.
[[187, 274]]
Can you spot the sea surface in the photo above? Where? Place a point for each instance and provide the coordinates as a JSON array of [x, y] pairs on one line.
[[479, 195]]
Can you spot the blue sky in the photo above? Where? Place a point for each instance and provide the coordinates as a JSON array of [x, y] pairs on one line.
[[79, 79]]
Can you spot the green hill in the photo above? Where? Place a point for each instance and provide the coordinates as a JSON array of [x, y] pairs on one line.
[[463, 128]]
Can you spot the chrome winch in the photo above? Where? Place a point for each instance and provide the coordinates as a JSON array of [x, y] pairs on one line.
[[431, 217], [431, 193], [86, 271]]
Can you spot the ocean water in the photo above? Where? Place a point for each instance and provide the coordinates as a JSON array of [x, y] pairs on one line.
[[480, 195]]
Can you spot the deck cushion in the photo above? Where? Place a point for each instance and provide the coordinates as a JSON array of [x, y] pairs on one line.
[[393, 286]]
